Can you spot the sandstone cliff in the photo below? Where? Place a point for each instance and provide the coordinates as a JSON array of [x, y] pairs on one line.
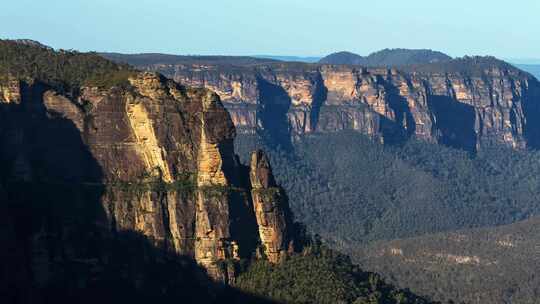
[[464, 103], [154, 161]]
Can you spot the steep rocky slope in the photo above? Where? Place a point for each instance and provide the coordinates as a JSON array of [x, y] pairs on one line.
[[138, 145], [496, 265], [465, 103], [88, 167]]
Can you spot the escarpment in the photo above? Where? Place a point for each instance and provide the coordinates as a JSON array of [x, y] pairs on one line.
[[466, 103], [152, 161]]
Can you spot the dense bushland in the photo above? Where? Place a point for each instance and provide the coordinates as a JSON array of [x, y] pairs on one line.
[[496, 264], [352, 190], [320, 275]]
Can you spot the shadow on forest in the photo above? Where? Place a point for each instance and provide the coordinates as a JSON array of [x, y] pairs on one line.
[[57, 244]]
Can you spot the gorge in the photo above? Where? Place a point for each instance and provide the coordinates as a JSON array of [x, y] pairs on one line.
[[120, 185], [373, 157]]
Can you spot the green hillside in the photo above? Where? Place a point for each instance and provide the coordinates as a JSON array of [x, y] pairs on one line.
[[488, 265]]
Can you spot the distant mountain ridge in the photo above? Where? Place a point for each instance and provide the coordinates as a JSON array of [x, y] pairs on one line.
[[387, 57], [307, 59], [145, 59], [343, 58]]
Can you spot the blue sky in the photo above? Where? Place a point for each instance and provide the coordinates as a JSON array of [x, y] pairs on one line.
[[507, 29]]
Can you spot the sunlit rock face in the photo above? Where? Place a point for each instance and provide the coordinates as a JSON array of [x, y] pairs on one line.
[[10, 91], [270, 209], [155, 160], [494, 104]]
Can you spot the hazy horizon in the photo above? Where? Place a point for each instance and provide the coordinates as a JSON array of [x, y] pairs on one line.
[[284, 57], [277, 27]]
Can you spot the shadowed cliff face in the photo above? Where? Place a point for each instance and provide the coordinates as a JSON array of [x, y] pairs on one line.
[[274, 105], [455, 130], [494, 105], [531, 130], [121, 194]]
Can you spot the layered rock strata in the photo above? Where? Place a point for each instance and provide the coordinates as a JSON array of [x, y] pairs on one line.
[[491, 105]]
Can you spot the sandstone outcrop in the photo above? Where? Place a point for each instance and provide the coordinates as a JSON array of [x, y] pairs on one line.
[[155, 161], [270, 209], [10, 91]]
